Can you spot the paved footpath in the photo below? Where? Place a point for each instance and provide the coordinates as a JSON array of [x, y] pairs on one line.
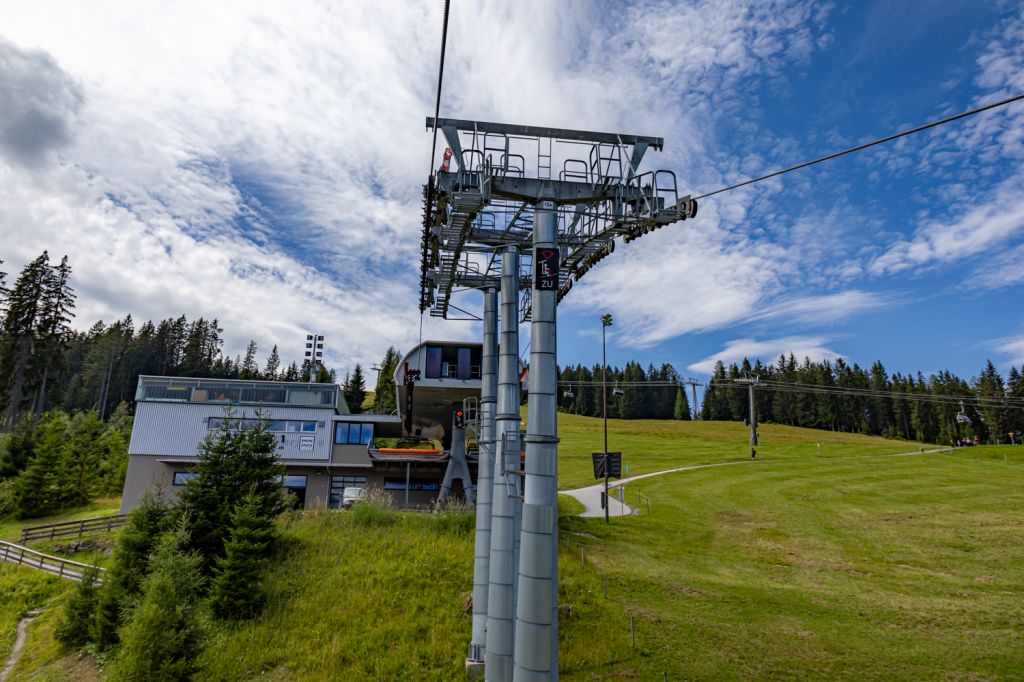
[[590, 496]]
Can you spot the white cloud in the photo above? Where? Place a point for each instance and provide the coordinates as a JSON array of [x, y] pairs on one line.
[[979, 229], [1014, 350], [261, 164], [767, 351], [826, 308]]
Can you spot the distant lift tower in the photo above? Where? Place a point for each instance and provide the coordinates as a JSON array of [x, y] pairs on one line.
[[527, 211]]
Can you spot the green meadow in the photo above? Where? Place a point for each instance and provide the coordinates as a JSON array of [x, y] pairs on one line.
[[830, 556]]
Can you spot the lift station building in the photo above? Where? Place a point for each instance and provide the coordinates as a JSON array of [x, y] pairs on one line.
[[323, 447]]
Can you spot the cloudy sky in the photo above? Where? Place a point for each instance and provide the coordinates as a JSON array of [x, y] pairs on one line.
[[261, 163]]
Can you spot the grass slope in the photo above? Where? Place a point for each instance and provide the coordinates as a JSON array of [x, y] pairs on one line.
[[653, 445], [869, 568]]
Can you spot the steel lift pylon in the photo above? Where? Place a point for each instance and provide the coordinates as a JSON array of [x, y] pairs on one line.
[[527, 211]]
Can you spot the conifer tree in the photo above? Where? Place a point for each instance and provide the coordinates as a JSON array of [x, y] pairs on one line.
[[53, 331], [384, 391], [42, 488], [82, 458], [20, 326], [354, 390], [231, 463], [681, 409], [237, 590], [161, 641], [273, 365], [73, 629], [122, 583], [247, 368], [18, 448]]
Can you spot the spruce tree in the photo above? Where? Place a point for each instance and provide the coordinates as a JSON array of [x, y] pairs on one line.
[[122, 583], [17, 449], [161, 640], [354, 390], [384, 391], [273, 365], [231, 463], [53, 331], [681, 409], [73, 629], [19, 330], [247, 368], [237, 590], [42, 488]]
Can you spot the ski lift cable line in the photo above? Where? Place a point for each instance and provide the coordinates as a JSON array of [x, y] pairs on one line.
[[945, 399], [874, 392], [866, 145]]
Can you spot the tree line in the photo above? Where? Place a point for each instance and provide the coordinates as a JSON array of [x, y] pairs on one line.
[[632, 392], [925, 409], [46, 365]]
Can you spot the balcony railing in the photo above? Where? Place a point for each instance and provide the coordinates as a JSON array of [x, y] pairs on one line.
[[178, 389]]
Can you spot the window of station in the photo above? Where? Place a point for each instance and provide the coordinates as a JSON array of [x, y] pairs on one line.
[[273, 425], [183, 477], [338, 485], [414, 484], [353, 433], [295, 486], [452, 362]]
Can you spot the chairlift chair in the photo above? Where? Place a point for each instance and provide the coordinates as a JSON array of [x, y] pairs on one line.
[[617, 390], [568, 394]]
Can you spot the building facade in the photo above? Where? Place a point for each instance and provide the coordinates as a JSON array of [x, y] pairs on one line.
[[323, 447]]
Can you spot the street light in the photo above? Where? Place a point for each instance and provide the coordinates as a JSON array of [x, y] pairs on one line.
[[606, 321]]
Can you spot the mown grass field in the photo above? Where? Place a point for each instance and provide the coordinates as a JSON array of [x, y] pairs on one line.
[[835, 563], [655, 445]]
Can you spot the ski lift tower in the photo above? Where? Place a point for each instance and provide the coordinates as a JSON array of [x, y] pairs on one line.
[[528, 211]]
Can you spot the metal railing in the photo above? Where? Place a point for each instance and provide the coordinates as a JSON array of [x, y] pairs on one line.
[[72, 528], [58, 566]]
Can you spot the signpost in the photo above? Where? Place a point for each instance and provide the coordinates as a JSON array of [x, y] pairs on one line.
[[607, 465]]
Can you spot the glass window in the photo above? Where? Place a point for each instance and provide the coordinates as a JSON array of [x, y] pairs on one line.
[[294, 426], [367, 434], [338, 485], [294, 481], [183, 477], [276, 425], [309, 427]]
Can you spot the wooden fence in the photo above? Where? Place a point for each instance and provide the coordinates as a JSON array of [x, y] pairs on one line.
[[73, 528], [59, 566]]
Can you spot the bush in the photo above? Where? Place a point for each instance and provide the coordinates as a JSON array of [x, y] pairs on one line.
[[456, 519], [73, 629], [161, 640]]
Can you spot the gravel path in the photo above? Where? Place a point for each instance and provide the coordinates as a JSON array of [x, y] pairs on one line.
[[19, 643]]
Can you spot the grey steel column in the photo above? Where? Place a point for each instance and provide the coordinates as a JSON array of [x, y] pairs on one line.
[[485, 474], [502, 569], [536, 656]]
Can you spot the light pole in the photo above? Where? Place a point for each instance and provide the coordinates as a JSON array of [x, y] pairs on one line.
[[606, 321]]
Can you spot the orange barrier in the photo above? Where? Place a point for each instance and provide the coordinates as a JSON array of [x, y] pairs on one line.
[[408, 451]]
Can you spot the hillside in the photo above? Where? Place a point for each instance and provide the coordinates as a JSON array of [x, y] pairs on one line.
[[847, 563]]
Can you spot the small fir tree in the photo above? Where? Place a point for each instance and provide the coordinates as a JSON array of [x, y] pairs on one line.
[[161, 641], [681, 409], [237, 590], [73, 629], [121, 584]]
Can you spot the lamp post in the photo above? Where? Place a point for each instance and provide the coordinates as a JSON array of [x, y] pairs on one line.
[[606, 321]]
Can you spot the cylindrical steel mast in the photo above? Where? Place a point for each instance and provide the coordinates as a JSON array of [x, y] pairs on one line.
[[502, 569], [537, 605], [485, 474]]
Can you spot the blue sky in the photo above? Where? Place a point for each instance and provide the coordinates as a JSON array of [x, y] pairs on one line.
[[263, 164]]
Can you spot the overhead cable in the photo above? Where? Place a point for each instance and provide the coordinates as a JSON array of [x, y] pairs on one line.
[[859, 147]]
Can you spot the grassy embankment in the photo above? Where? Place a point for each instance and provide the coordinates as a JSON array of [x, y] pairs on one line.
[[23, 589], [797, 565]]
